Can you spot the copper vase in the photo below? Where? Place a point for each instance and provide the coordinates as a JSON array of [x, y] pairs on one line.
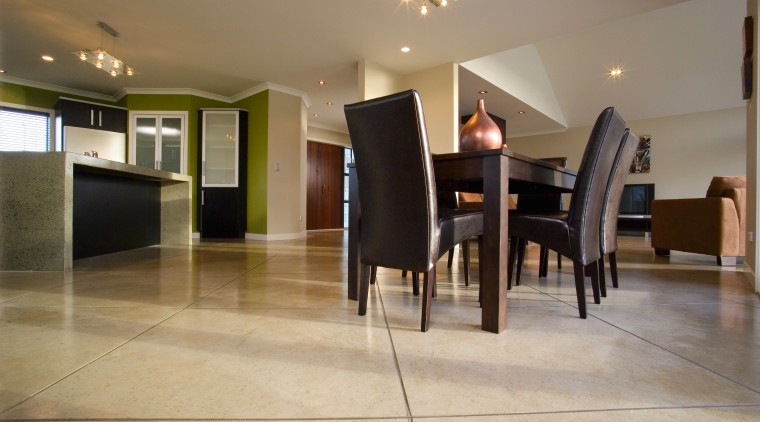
[[480, 132]]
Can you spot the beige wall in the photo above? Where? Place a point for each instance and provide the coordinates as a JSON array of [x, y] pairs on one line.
[[327, 136], [438, 88], [286, 204], [687, 150]]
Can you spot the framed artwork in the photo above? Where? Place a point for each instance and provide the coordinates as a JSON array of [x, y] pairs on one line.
[[642, 159]]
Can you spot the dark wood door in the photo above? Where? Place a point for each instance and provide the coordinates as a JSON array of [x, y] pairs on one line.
[[324, 196]]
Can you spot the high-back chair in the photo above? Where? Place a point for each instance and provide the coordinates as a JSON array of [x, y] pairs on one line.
[[401, 226], [611, 207], [575, 234]]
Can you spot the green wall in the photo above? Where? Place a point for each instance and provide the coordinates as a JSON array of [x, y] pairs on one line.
[[257, 106], [258, 134]]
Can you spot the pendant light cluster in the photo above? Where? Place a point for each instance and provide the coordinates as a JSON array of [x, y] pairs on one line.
[[101, 59]]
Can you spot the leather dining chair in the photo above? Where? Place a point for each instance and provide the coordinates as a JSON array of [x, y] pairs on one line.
[[401, 224], [576, 233], [531, 203], [611, 207]]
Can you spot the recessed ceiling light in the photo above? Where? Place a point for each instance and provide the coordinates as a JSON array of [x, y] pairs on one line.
[[329, 103], [321, 82], [315, 115], [2, 70], [47, 58], [482, 92], [616, 72], [405, 49], [521, 112]]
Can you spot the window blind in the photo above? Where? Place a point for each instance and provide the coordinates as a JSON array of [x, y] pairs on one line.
[[23, 130]]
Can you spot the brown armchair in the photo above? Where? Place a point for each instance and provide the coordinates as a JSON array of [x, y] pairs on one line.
[[714, 225]]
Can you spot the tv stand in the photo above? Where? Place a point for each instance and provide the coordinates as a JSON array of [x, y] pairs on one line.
[[635, 224]]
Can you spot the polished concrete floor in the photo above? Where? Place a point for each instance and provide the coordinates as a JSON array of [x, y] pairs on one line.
[[257, 331]]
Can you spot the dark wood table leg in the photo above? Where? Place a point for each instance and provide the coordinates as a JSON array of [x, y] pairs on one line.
[[493, 262], [353, 235]]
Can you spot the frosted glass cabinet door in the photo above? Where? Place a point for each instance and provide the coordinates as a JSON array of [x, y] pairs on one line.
[[171, 144], [220, 148], [159, 142], [145, 142]]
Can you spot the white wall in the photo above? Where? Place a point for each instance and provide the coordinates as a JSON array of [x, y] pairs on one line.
[[687, 150], [327, 136]]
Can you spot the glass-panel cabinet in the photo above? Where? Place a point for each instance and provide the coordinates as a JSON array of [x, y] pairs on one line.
[[223, 165], [158, 141], [220, 148]]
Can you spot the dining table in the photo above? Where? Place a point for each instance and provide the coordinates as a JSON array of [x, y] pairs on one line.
[[496, 173]]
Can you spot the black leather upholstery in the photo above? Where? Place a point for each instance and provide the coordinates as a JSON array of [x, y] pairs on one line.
[[611, 205], [400, 222], [576, 234]]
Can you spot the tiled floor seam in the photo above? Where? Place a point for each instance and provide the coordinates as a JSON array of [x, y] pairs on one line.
[[101, 356], [665, 349], [393, 350]]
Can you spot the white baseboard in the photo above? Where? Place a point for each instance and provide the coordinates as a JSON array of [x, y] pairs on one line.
[[281, 236]]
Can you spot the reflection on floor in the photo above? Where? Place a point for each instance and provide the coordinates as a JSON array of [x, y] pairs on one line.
[[254, 330]]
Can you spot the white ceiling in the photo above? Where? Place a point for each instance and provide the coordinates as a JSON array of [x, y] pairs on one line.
[[680, 57]]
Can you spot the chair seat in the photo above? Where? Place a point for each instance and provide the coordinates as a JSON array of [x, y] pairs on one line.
[[458, 225], [542, 228]]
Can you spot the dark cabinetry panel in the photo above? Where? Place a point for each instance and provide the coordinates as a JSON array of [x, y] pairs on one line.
[[91, 115]]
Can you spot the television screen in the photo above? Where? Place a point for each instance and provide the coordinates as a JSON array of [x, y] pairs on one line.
[[637, 199]]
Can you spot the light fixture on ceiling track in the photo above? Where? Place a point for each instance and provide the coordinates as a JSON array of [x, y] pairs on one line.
[[101, 59], [424, 9]]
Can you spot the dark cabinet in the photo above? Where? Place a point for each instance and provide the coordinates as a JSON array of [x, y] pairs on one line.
[[91, 115], [222, 160]]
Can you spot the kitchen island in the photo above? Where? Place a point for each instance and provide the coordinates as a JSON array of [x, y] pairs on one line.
[[56, 207]]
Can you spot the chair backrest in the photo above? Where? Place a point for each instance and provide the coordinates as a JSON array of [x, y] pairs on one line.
[[398, 203], [585, 212], [537, 202], [611, 206]]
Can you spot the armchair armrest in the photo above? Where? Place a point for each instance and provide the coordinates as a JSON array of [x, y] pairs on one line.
[[699, 225]]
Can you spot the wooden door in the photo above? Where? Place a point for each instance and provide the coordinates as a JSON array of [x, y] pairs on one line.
[[324, 196]]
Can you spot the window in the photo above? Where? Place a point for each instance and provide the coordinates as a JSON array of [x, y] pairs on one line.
[[24, 130], [157, 140], [348, 157]]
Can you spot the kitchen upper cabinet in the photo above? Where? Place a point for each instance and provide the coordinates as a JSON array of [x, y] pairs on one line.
[[91, 115], [222, 160], [158, 141]]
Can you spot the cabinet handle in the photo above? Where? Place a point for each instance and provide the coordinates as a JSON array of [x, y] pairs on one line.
[[100, 118], [92, 117]]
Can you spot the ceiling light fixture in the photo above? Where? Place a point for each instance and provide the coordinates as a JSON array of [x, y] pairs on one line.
[[329, 103], [321, 82], [47, 58], [405, 49], [423, 7], [521, 112], [616, 72], [101, 59], [482, 92]]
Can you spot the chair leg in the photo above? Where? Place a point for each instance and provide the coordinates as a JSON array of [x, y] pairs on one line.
[[602, 277], [580, 288], [592, 270], [364, 288], [403, 273], [427, 298], [559, 261], [415, 283], [451, 258], [613, 269], [520, 259], [511, 260], [466, 255], [543, 262], [373, 275]]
